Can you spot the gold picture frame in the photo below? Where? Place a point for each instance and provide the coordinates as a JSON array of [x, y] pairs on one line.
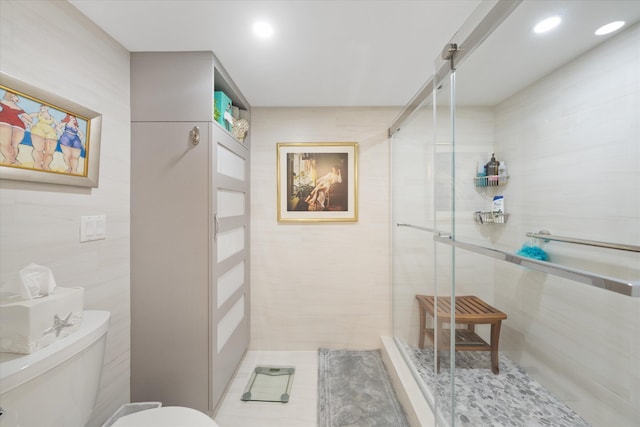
[[47, 138], [317, 182]]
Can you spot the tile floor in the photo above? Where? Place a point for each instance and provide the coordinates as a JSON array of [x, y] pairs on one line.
[[510, 399], [300, 411]]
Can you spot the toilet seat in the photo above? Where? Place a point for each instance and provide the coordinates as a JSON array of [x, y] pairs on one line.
[[166, 416]]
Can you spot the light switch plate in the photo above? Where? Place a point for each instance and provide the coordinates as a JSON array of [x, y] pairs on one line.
[[93, 227]]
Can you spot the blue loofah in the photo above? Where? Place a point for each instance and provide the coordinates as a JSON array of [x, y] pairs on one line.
[[533, 252]]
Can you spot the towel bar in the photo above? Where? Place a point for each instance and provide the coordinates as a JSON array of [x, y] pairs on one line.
[[545, 235]]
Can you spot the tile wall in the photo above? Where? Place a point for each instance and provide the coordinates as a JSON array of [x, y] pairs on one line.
[[571, 145], [320, 284], [52, 46]]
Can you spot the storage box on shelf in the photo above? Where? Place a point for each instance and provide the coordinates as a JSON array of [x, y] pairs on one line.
[[222, 109]]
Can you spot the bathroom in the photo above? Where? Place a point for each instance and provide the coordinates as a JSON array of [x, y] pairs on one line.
[[345, 308]]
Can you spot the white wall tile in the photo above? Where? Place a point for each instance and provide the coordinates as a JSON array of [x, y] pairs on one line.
[[571, 146], [320, 284], [52, 46]]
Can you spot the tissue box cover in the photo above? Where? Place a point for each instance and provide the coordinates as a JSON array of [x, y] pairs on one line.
[[29, 325]]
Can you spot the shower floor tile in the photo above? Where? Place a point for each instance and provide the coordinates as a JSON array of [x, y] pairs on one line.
[[510, 399]]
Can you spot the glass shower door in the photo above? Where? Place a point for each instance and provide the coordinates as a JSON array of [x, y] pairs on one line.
[[443, 263], [413, 245], [463, 321], [423, 213]]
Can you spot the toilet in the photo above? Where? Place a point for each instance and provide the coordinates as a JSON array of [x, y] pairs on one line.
[[166, 416], [58, 384]]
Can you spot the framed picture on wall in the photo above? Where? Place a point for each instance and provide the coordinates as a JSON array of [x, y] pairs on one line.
[[317, 182], [45, 137]]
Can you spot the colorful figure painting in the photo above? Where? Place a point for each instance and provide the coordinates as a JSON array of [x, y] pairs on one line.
[[40, 136]]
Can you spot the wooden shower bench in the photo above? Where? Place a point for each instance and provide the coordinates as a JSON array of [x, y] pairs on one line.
[[470, 311]]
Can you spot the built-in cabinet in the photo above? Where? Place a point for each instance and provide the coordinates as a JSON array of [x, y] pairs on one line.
[[189, 232]]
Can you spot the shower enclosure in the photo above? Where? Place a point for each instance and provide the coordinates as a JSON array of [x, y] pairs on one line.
[[560, 257]]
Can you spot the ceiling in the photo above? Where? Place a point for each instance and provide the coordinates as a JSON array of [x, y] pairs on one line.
[[355, 52]]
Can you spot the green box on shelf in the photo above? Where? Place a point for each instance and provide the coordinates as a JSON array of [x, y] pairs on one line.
[[222, 103]]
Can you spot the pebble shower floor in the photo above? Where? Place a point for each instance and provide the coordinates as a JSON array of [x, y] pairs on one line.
[[510, 399]]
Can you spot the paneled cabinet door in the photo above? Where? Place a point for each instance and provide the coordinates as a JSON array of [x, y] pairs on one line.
[[231, 263]]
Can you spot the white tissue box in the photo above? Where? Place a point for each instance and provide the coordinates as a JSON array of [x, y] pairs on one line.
[[29, 325]]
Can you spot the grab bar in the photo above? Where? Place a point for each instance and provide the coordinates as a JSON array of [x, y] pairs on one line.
[[545, 235], [627, 288]]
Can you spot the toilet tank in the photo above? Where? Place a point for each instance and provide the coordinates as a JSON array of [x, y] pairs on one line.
[[58, 384]]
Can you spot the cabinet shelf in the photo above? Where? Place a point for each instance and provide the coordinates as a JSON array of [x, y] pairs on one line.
[[223, 83], [244, 142]]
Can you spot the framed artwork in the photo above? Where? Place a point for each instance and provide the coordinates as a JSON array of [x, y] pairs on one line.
[[45, 137], [317, 182]]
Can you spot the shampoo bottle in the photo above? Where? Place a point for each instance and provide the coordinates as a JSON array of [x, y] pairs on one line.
[[498, 205]]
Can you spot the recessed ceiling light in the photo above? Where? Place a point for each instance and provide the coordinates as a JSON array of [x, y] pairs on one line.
[[609, 28], [263, 29], [547, 24]]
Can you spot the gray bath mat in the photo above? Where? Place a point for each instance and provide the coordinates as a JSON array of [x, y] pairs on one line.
[[354, 390]]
